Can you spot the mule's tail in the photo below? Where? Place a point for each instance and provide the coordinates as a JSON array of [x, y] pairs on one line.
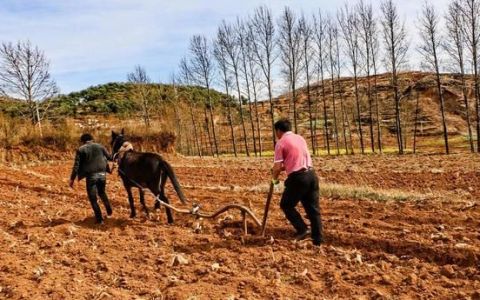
[[173, 178]]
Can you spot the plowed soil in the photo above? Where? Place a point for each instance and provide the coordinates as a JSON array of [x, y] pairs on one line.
[[426, 246]]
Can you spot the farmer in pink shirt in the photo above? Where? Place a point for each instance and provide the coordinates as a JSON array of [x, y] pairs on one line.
[[292, 156]]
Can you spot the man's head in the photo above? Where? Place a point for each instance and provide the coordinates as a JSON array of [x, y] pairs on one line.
[[282, 126], [86, 137]]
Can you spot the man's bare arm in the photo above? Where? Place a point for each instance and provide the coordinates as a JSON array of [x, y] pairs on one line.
[[277, 169]]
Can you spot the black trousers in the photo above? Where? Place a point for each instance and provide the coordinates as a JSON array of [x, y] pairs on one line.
[[303, 187], [96, 185]]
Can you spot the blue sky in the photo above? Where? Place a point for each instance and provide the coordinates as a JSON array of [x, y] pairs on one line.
[[91, 42]]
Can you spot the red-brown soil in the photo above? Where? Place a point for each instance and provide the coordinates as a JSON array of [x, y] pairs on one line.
[[426, 248]]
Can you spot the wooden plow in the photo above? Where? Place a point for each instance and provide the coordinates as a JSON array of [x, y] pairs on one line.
[[196, 209]]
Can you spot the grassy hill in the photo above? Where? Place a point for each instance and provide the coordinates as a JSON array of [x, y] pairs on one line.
[[115, 105], [112, 98]]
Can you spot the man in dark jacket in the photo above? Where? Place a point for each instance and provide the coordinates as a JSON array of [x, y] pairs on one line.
[[91, 162]]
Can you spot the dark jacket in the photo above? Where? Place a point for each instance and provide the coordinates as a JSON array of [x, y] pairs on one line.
[[91, 158]]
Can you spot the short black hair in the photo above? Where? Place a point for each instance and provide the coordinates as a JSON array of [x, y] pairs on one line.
[[283, 125], [86, 137]]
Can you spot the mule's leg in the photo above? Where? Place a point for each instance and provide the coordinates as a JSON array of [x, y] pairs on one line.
[[164, 197], [156, 189], [130, 201], [168, 210], [142, 200], [160, 192]]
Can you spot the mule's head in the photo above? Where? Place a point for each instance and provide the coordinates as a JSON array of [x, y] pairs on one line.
[[117, 141]]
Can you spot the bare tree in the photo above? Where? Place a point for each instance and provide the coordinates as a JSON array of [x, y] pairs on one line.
[[175, 103], [350, 24], [320, 40], [289, 42], [186, 78], [142, 90], [470, 13], [24, 73], [367, 33], [455, 47], [221, 56], [332, 36], [417, 111], [201, 66], [396, 45], [232, 50], [253, 70], [242, 40], [341, 97], [306, 33], [263, 44], [375, 47], [431, 45]]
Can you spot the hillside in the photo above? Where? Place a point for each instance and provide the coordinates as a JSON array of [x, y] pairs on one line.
[[412, 84], [111, 98], [115, 105]]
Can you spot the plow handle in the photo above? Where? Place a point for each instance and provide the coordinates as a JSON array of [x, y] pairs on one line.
[[267, 207]]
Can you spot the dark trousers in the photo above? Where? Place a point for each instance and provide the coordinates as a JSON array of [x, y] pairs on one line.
[[303, 187], [96, 185]]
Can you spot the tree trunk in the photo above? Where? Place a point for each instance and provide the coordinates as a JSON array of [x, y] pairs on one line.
[[357, 101], [337, 143], [211, 120], [251, 121], [442, 109], [229, 112], [325, 117], [416, 124], [377, 107], [467, 110], [247, 82], [39, 121], [350, 133], [272, 116], [344, 115], [232, 133], [241, 113], [257, 119], [207, 127], [195, 133], [398, 123], [370, 100], [309, 99]]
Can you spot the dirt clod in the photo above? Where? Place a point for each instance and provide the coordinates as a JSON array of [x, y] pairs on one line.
[[178, 259]]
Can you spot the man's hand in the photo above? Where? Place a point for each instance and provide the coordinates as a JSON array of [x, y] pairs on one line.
[[71, 183]]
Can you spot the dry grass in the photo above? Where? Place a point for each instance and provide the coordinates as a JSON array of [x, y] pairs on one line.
[[328, 190], [60, 136], [338, 191]]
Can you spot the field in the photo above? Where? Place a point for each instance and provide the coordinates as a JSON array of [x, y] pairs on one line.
[[395, 228]]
